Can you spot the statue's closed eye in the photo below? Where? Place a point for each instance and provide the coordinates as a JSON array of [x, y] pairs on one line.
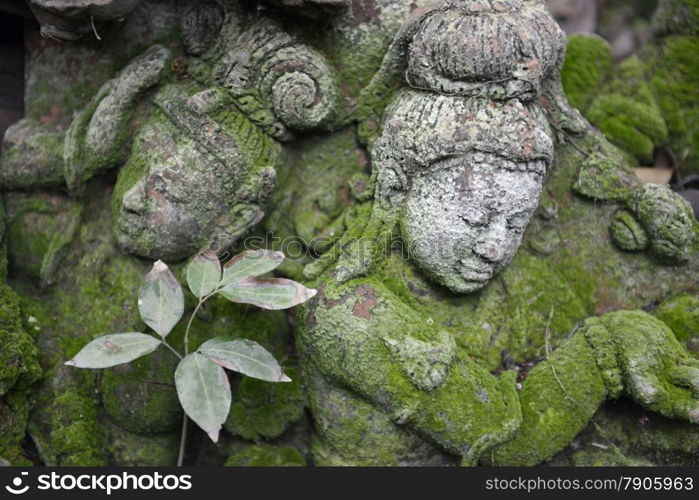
[[518, 222], [158, 184]]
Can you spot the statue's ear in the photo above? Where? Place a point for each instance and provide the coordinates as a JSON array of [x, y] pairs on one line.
[[247, 212], [233, 225], [392, 184]]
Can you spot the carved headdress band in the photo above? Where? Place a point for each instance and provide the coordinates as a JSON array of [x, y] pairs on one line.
[[444, 126]]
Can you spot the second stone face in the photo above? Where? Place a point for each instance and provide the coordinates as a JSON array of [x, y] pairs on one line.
[[192, 178]]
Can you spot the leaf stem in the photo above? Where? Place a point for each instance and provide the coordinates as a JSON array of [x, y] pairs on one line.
[[172, 349], [183, 441], [183, 438], [189, 324]]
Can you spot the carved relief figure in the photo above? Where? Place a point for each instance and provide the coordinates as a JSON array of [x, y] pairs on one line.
[[471, 309], [459, 168]]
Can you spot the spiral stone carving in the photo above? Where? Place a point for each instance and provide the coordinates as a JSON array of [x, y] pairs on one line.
[[281, 84]]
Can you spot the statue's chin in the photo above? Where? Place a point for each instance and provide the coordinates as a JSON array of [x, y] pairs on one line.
[[462, 285]]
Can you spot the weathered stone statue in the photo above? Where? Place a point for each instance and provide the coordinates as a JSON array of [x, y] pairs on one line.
[[483, 284], [459, 170]]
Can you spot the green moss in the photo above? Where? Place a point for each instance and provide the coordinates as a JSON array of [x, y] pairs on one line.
[[351, 431], [258, 146], [627, 111], [140, 397], [634, 126], [588, 62], [668, 219], [19, 370], [14, 418], [627, 233], [647, 101], [630, 81], [674, 80], [75, 437], [371, 318], [130, 450], [681, 314], [18, 355], [26, 249], [550, 415], [265, 410], [264, 455], [604, 177]]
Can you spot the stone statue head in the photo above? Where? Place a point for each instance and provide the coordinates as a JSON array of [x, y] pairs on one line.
[[460, 161], [192, 180], [462, 180], [203, 167]]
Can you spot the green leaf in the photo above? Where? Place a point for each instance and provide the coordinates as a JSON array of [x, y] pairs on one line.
[[272, 293], [244, 356], [204, 392], [250, 263], [114, 349], [204, 273], [161, 302]]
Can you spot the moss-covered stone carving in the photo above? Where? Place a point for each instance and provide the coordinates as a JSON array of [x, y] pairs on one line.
[[458, 180], [646, 102], [462, 222]]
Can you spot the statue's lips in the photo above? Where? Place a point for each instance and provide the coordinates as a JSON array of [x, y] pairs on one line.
[[475, 275]]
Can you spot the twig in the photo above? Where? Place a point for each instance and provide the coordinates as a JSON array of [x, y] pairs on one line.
[[172, 349], [94, 30], [183, 440]]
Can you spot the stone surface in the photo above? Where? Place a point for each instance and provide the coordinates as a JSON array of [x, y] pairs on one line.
[[492, 278]]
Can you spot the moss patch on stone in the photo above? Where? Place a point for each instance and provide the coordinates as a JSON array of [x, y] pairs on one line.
[[265, 455], [587, 65], [265, 410], [681, 314]]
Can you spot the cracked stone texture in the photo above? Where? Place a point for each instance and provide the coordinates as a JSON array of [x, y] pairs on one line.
[[398, 365]]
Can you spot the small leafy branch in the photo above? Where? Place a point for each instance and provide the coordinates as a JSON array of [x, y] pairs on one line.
[[201, 382]]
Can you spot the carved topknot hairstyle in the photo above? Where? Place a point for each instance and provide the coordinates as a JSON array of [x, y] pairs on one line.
[[501, 49]]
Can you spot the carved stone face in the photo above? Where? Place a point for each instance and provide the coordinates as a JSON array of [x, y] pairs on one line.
[[170, 209], [464, 220]]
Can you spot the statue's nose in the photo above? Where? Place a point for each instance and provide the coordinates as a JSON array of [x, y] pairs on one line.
[[134, 199], [490, 246]]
